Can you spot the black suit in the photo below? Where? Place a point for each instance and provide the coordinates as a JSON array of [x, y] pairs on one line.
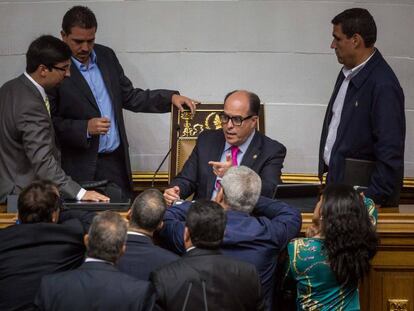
[[264, 155], [94, 286], [30, 251], [142, 257], [226, 283], [74, 105]]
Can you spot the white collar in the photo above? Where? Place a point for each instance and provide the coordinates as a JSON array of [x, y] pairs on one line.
[[37, 85], [354, 71]]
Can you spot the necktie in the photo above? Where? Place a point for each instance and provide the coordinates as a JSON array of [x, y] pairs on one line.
[[47, 104], [234, 152]]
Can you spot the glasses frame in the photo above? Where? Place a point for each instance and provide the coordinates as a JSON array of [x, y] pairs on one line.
[[231, 118], [60, 68]]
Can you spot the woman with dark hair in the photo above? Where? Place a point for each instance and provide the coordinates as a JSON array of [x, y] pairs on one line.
[[328, 264]]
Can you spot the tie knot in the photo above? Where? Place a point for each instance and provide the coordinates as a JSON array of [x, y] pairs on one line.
[[234, 151]]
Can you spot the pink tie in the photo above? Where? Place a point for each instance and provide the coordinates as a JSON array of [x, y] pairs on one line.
[[234, 152]]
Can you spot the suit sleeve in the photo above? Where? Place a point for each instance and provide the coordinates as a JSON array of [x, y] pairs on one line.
[[158, 285], [172, 233], [71, 132], [272, 170], [285, 219], [37, 139], [388, 121], [187, 179], [139, 100], [40, 301]]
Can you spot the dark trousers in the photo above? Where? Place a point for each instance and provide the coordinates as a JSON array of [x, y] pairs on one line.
[[111, 166]]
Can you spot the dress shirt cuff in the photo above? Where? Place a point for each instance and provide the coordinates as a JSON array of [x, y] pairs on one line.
[[80, 194]]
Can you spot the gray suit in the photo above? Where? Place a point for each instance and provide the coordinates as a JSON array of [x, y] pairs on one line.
[[27, 141]]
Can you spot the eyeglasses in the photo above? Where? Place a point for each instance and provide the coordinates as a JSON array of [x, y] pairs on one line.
[[236, 120], [64, 69]]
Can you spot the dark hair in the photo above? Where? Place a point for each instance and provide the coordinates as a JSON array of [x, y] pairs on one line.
[[148, 210], [206, 221], [46, 50], [357, 21], [107, 236], [38, 201], [350, 237], [80, 16], [254, 101]]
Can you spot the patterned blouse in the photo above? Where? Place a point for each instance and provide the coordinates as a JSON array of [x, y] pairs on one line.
[[317, 288]]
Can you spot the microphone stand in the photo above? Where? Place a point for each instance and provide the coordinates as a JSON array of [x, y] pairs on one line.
[[177, 129]]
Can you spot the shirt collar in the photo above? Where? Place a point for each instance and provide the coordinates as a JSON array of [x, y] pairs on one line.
[[37, 85], [243, 147], [83, 67], [190, 249], [92, 259], [350, 73]]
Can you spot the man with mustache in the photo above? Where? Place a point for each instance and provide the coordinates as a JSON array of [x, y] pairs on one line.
[[238, 143], [87, 113]]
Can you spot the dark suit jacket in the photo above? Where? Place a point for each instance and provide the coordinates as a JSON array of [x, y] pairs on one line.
[[257, 240], [372, 128], [30, 251], [28, 141], [264, 155], [142, 257], [94, 286], [74, 104], [228, 284]]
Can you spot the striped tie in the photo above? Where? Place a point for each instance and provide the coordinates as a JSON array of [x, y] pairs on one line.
[[47, 104]]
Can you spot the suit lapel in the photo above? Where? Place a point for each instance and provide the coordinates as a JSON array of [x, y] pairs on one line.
[[214, 155], [36, 92], [80, 82], [253, 151], [327, 120]]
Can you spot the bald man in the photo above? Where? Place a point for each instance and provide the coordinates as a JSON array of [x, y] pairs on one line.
[[238, 143]]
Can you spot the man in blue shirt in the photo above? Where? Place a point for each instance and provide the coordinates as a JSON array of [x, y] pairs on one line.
[[87, 108]]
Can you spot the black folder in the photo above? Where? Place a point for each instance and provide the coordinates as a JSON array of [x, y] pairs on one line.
[[358, 172]]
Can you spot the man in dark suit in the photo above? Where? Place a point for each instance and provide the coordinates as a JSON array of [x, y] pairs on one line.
[[28, 149], [204, 279], [38, 245], [145, 217], [365, 118], [237, 144], [255, 239], [97, 284], [87, 109]]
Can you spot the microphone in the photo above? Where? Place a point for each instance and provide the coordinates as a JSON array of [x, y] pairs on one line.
[[177, 129]]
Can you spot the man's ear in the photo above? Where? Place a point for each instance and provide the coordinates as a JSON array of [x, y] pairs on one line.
[[160, 225], [187, 238], [86, 240], [357, 40], [55, 216], [129, 214], [123, 250], [63, 35]]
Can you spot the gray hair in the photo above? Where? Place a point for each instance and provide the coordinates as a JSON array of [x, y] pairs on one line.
[[242, 187], [107, 236], [148, 210]]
